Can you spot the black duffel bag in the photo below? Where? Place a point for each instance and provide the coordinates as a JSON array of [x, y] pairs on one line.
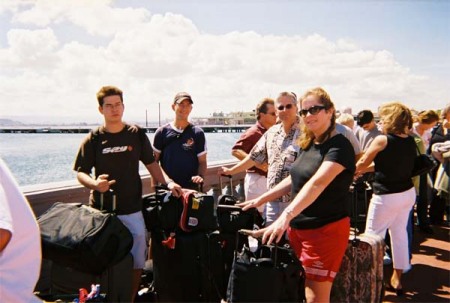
[[270, 274], [81, 237]]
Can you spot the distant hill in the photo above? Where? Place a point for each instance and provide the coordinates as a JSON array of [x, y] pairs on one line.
[[9, 122]]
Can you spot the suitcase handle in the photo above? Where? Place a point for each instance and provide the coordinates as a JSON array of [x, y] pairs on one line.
[[230, 207], [273, 247]]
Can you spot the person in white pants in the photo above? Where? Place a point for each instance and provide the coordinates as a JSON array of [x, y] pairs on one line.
[[393, 154]]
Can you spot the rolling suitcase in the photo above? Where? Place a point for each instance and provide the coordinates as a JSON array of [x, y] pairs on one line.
[[189, 269], [361, 193], [360, 277], [231, 219]]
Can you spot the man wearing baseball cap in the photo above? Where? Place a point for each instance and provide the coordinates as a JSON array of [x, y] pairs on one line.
[[180, 147], [369, 131]]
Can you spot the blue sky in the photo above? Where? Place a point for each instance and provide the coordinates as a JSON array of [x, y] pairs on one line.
[[227, 54]]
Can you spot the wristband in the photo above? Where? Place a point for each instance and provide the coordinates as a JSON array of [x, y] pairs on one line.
[[169, 181]]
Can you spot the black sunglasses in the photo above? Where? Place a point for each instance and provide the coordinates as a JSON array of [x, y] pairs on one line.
[[313, 110], [287, 106]]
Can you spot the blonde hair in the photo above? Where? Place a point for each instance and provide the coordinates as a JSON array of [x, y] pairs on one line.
[[346, 119], [397, 118], [307, 137], [427, 117]]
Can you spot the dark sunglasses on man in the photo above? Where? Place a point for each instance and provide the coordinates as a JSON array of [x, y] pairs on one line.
[[287, 106], [313, 110]]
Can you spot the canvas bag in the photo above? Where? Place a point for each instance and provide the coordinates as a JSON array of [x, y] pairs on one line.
[[199, 212], [83, 238]]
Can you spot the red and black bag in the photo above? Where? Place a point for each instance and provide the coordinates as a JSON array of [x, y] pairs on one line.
[[198, 212]]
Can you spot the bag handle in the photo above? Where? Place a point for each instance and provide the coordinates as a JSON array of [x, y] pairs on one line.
[[114, 200], [273, 247]]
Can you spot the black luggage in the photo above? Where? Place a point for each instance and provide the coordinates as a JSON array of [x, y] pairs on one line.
[[198, 212], [115, 281], [78, 236], [190, 269], [232, 218], [161, 210], [270, 274], [360, 195]]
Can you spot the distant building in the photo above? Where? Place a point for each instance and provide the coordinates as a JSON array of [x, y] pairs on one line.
[[233, 118]]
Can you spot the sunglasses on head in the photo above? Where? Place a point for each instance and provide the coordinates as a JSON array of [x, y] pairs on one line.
[[313, 110], [287, 106]]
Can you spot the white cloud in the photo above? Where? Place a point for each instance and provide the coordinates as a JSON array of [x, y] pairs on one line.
[[151, 57]]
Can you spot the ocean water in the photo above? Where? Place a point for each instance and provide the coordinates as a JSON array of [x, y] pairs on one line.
[[43, 158]]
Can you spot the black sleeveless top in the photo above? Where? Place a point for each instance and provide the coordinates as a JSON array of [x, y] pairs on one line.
[[394, 165]]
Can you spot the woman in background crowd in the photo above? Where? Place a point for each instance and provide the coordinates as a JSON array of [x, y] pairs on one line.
[[440, 201], [393, 154], [421, 130]]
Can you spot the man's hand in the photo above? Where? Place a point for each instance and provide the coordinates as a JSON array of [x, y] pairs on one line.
[[134, 128], [224, 171], [102, 184], [197, 179], [176, 189]]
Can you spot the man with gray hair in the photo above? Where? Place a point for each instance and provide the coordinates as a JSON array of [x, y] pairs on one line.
[[278, 147], [255, 182]]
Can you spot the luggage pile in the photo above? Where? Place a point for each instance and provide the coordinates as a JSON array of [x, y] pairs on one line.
[[196, 246]]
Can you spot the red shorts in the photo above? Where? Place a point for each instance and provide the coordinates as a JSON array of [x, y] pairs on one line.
[[321, 249]]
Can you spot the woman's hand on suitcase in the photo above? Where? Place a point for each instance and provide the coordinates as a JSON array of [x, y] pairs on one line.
[[249, 204], [275, 231]]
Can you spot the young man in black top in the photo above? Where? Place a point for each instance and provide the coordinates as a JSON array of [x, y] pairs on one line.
[[115, 150]]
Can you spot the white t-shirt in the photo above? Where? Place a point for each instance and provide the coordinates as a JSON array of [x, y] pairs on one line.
[[20, 261]]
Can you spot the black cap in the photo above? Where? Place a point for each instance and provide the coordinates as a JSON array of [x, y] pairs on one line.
[[364, 117]]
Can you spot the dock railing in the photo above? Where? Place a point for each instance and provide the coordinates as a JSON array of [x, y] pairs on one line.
[[42, 196]]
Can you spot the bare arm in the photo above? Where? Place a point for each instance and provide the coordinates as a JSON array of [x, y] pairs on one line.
[[364, 163], [101, 184], [308, 194], [244, 164], [202, 166], [281, 189], [239, 153]]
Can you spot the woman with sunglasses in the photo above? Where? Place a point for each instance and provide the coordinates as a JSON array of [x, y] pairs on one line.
[[316, 220]]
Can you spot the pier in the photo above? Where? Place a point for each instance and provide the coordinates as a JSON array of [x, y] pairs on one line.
[[428, 280], [237, 128]]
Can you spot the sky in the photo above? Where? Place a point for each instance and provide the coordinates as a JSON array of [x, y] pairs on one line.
[[56, 54]]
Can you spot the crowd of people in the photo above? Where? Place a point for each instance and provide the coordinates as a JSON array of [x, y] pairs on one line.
[[300, 158]]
